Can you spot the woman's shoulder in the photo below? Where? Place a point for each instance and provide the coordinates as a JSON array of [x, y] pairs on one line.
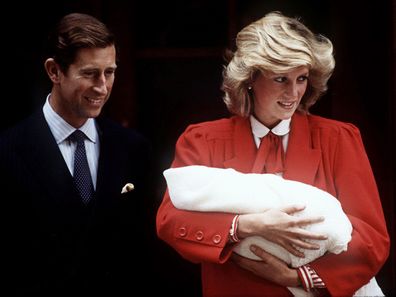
[[331, 125], [223, 127]]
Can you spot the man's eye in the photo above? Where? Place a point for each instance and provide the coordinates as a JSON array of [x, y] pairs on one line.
[[109, 72], [89, 73]]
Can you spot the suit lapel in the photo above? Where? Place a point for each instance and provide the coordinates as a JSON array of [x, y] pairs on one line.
[[302, 161], [111, 166], [42, 155]]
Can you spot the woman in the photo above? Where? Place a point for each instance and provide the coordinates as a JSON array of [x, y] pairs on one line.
[[279, 70]]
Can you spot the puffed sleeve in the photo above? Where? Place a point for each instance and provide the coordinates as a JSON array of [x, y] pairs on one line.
[[357, 191], [196, 236]]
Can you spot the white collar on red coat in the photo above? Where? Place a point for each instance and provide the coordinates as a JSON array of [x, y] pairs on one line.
[[259, 130]]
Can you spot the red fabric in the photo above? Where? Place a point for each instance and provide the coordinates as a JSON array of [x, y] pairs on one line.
[[270, 155], [325, 153]]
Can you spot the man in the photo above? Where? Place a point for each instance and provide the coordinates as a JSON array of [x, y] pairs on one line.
[[68, 230]]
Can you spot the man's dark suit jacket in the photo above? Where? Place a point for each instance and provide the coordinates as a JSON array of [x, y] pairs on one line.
[[53, 244]]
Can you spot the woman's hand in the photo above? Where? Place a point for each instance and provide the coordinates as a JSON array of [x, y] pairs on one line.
[[270, 268], [282, 228]]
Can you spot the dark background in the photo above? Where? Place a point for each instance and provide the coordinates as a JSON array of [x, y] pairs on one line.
[[169, 76]]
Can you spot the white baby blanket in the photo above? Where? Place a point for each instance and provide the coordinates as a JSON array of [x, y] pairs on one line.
[[202, 188]]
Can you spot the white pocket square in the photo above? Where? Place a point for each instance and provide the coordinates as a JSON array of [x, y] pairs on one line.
[[127, 188]]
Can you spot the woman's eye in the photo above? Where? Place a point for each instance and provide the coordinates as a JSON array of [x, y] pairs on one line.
[[280, 79], [303, 78]]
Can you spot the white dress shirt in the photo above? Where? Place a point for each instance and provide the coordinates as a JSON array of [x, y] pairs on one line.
[[62, 130]]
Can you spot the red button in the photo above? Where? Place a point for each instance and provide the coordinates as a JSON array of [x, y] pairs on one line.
[[199, 235], [217, 239], [182, 231]]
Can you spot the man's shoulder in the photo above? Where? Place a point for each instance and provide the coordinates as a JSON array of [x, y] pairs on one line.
[[111, 129], [22, 129]]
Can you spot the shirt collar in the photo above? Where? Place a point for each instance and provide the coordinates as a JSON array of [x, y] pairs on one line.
[[62, 129], [259, 130]]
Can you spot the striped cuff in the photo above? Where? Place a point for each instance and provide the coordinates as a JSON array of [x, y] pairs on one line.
[[233, 230], [309, 278]]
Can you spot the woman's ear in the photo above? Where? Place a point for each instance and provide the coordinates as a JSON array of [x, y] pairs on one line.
[[53, 70]]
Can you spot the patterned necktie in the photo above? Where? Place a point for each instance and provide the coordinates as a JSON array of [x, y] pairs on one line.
[[82, 174], [270, 155]]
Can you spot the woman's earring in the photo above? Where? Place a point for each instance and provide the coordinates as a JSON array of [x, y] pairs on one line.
[[249, 88]]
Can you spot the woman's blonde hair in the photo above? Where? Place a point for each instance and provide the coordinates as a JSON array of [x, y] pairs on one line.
[[276, 43]]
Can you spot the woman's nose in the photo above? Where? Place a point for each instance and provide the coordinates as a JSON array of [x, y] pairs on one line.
[[292, 90]]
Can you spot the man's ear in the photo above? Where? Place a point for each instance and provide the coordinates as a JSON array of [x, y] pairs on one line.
[[53, 70]]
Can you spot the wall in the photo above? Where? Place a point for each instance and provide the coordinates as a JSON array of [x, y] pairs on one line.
[[172, 53]]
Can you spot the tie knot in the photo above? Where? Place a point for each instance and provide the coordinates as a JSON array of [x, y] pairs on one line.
[[270, 155], [77, 136], [273, 138]]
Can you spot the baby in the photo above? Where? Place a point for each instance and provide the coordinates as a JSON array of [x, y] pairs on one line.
[[201, 188]]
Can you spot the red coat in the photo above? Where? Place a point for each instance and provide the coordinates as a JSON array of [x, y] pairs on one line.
[[325, 153]]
